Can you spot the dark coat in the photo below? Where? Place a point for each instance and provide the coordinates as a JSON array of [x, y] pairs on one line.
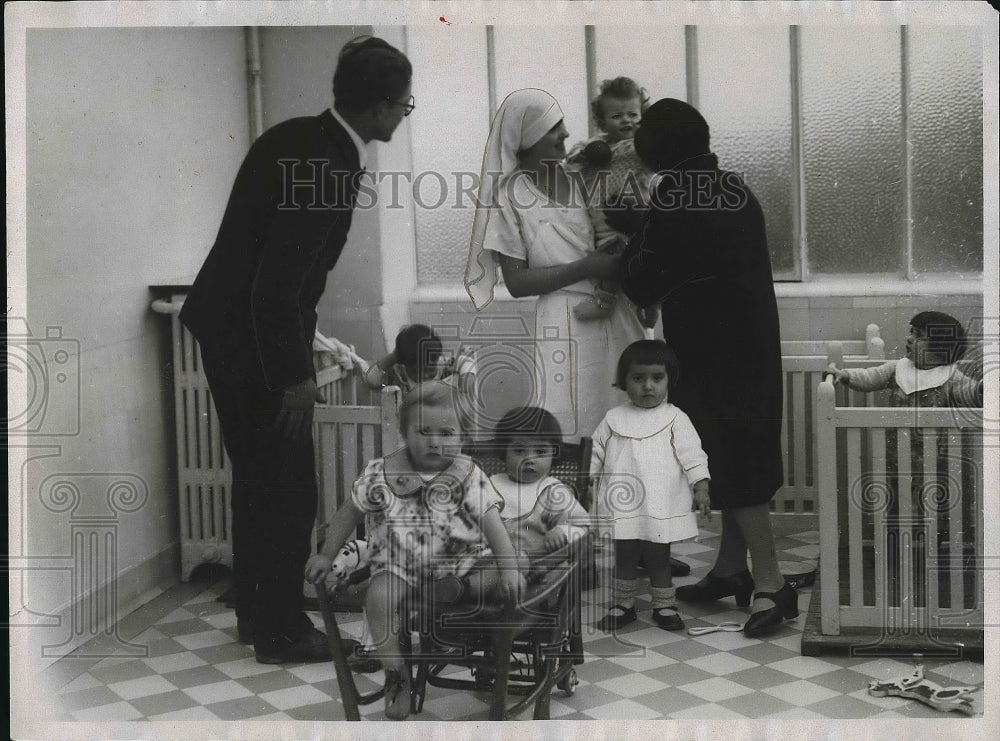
[[709, 268], [253, 304]]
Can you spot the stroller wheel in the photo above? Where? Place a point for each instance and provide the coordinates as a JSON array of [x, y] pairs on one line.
[[568, 683]]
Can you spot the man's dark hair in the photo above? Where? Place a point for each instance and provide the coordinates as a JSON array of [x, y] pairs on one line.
[[369, 71]]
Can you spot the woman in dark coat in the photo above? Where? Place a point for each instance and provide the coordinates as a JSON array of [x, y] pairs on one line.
[[702, 255]]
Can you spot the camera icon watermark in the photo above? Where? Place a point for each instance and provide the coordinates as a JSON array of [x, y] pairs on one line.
[[510, 355], [44, 378]]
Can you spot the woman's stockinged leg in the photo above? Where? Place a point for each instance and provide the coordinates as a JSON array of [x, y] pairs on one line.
[[382, 613], [755, 525], [732, 556]]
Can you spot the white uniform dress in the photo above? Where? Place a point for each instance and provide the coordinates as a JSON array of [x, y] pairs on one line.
[[647, 461], [575, 360]]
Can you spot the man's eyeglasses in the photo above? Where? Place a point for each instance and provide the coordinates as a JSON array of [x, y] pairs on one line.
[[408, 106]]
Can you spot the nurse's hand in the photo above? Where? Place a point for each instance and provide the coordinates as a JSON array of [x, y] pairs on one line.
[[602, 266]]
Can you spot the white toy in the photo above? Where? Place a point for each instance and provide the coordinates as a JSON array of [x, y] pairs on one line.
[[915, 687], [349, 566]]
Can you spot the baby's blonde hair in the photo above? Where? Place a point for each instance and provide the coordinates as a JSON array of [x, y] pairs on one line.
[[430, 394]]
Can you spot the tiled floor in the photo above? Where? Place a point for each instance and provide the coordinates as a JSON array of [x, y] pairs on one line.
[[196, 670]]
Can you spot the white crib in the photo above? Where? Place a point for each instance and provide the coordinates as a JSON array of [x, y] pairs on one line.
[[901, 524], [803, 363]]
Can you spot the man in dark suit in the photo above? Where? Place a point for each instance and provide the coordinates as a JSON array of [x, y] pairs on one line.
[[253, 310]]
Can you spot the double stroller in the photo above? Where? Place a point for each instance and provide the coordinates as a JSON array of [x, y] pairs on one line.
[[514, 650]]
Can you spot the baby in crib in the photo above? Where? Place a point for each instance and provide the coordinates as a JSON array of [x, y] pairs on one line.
[[617, 181], [418, 356], [929, 374], [430, 514]]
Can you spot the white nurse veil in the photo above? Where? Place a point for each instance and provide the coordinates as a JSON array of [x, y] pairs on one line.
[[524, 117]]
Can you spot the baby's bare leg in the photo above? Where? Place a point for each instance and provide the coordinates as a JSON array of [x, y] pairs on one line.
[[382, 613]]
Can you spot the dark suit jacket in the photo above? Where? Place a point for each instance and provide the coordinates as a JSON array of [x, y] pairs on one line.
[[253, 304], [708, 266]]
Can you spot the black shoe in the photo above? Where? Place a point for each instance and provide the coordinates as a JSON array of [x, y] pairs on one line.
[[309, 648], [679, 568], [244, 632], [667, 618], [612, 622], [714, 587], [786, 605]]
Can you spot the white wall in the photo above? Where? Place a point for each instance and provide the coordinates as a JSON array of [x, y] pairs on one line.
[[133, 139]]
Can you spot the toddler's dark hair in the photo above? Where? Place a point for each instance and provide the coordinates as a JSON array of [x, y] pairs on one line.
[[417, 347], [430, 394], [648, 352], [531, 422], [623, 88], [945, 335]]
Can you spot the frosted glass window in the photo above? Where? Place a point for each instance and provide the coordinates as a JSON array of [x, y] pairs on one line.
[[653, 56], [552, 58], [448, 131], [749, 111], [946, 134], [852, 147]]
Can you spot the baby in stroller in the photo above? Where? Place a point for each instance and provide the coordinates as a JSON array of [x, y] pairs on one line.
[[430, 516]]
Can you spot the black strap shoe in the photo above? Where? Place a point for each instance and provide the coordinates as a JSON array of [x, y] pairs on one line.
[[786, 606], [714, 587], [667, 618], [613, 621]]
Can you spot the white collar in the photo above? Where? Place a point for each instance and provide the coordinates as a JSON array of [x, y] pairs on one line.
[[358, 141], [638, 423], [910, 378]]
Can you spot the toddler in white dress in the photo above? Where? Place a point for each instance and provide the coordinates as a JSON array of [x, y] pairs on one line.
[[651, 475]]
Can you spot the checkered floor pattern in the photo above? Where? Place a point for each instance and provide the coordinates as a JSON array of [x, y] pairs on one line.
[[194, 669]]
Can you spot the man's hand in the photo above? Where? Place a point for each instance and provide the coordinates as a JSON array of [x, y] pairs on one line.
[[296, 413]]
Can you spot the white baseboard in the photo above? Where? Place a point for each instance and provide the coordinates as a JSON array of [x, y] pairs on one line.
[[43, 644]]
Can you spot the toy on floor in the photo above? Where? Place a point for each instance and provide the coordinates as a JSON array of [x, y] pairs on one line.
[[915, 687], [724, 627]]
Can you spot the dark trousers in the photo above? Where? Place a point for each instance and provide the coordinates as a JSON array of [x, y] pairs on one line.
[[274, 500]]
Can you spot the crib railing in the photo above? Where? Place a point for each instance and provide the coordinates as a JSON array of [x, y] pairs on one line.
[[803, 364], [346, 438], [901, 520]]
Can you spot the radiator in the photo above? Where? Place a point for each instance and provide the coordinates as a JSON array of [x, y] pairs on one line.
[[346, 435]]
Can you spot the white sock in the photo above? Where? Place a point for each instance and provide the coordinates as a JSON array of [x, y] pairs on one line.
[[663, 597], [625, 592]]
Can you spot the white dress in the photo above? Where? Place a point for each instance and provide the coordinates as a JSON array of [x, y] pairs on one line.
[[575, 360], [532, 511], [647, 461]]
